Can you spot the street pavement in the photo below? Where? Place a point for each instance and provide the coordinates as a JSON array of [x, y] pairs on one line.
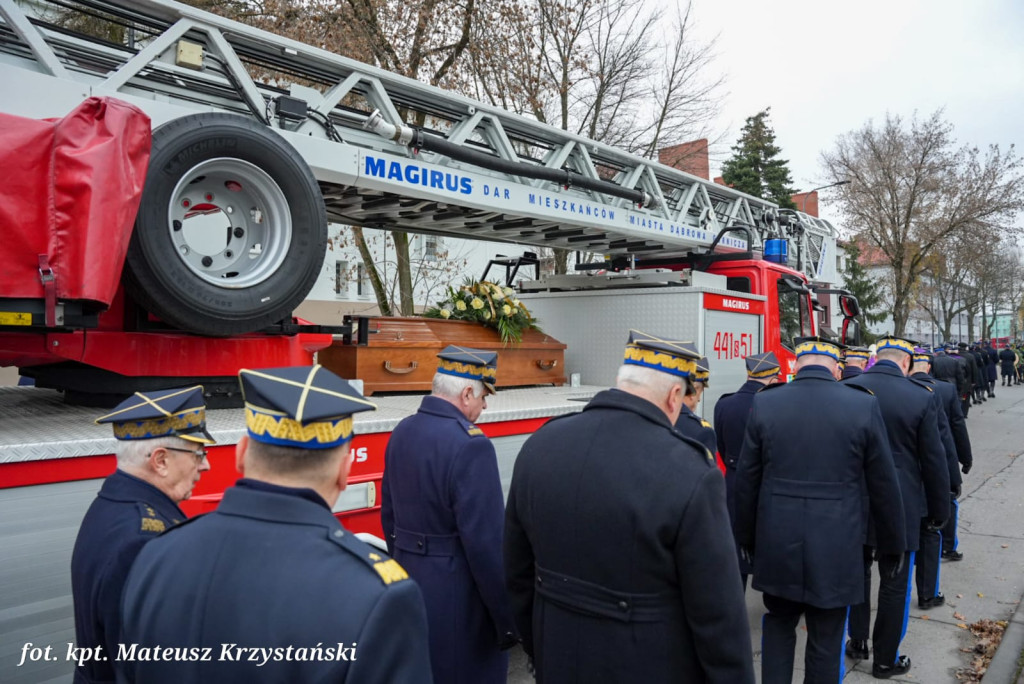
[[987, 583]]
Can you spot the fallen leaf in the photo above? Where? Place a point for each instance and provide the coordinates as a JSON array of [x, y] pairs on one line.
[[958, 616], [980, 595], [1005, 546], [959, 595], [925, 617], [961, 625]]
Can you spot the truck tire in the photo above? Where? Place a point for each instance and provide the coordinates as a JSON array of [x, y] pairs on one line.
[[231, 231]]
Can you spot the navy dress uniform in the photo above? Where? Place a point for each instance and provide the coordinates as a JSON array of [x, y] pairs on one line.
[[912, 424], [689, 423], [270, 582], [927, 558], [128, 512], [731, 414], [965, 375], [442, 512], [862, 354], [617, 549], [801, 492]]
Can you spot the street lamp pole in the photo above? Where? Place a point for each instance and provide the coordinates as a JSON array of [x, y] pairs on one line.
[[803, 204]]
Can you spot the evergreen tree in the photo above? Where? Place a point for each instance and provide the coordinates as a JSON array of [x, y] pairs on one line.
[[755, 167], [867, 290]]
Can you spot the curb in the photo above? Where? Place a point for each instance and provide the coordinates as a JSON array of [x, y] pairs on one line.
[[1004, 665]]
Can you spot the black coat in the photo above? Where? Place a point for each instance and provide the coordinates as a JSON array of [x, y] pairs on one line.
[[991, 361], [945, 429], [957, 423], [443, 514], [272, 568], [1007, 360], [814, 451], [952, 370], [127, 513], [912, 423], [967, 365], [851, 372], [620, 564], [696, 428]]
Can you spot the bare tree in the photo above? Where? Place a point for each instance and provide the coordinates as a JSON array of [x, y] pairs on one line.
[[912, 188], [615, 71]]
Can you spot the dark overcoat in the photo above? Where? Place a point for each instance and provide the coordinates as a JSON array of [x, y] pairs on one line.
[[731, 413], [912, 424], [620, 562], [273, 569], [815, 452], [126, 514], [951, 370], [695, 427], [991, 361], [952, 426], [851, 372], [967, 366], [443, 515], [1007, 360]]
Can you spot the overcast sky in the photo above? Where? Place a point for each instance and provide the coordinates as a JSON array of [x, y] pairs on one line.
[[826, 67]]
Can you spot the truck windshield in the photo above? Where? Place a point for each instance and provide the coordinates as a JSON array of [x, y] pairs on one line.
[[794, 314]]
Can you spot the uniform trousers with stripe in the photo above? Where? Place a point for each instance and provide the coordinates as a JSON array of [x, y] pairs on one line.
[[893, 611], [823, 659]]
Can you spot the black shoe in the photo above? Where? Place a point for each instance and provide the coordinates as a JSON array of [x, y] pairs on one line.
[[902, 666], [858, 649], [933, 602], [952, 555]]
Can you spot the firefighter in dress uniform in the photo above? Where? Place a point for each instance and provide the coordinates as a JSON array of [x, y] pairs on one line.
[[689, 423], [731, 414], [800, 508], [856, 360], [161, 438], [927, 558], [618, 555], [443, 514], [1007, 361], [271, 578], [912, 425], [965, 375]]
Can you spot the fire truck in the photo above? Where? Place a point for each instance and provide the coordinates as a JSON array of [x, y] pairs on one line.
[[171, 179]]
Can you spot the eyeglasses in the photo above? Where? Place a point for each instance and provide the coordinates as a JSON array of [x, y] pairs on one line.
[[200, 455]]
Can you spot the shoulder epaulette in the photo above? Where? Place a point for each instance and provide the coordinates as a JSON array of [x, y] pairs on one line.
[[705, 423], [183, 523], [853, 385], [471, 429], [386, 567], [709, 458], [149, 521], [919, 383]]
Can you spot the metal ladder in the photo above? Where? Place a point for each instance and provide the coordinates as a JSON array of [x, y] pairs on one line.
[[367, 179]]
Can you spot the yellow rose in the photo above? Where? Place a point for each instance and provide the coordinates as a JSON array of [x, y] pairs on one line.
[[460, 305], [515, 311], [487, 315], [445, 313], [507, 310], [477, 303]]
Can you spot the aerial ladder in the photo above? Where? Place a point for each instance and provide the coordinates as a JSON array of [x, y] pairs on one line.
[[270, 161]]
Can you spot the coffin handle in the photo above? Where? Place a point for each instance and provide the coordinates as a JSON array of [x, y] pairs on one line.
[[400, 371], [546, 365]]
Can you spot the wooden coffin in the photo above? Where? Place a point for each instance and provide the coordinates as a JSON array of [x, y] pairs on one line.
[[401, 354]]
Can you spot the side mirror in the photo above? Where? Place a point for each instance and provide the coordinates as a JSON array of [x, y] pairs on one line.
[[850, 306], [851, 332]]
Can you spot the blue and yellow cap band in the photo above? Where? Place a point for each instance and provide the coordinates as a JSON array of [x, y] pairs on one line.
[[858, 353], [276, 428], [468, 370], [819, 347], [895, 343], [659, 360]]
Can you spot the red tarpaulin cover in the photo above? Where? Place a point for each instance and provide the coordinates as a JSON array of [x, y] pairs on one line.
[[70, 190]]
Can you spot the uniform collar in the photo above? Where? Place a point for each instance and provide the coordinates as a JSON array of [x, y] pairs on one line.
[[264, 504], [814, 372], [301, 492], [886, 367], [436, 406], [121, 486], [923, 377], [624, 401], [751, 386]]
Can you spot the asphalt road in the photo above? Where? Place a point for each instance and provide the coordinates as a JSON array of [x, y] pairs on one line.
[[987, 583]]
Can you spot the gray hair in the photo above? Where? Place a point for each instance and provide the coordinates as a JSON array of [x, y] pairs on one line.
[[451, 386], [895, 355], [132, 453], [653, 381], [817, 360]]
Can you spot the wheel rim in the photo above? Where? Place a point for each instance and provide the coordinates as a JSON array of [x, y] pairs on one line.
[[230, 223]]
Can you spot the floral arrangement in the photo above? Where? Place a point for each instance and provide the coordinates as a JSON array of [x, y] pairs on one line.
[[489, 304]]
